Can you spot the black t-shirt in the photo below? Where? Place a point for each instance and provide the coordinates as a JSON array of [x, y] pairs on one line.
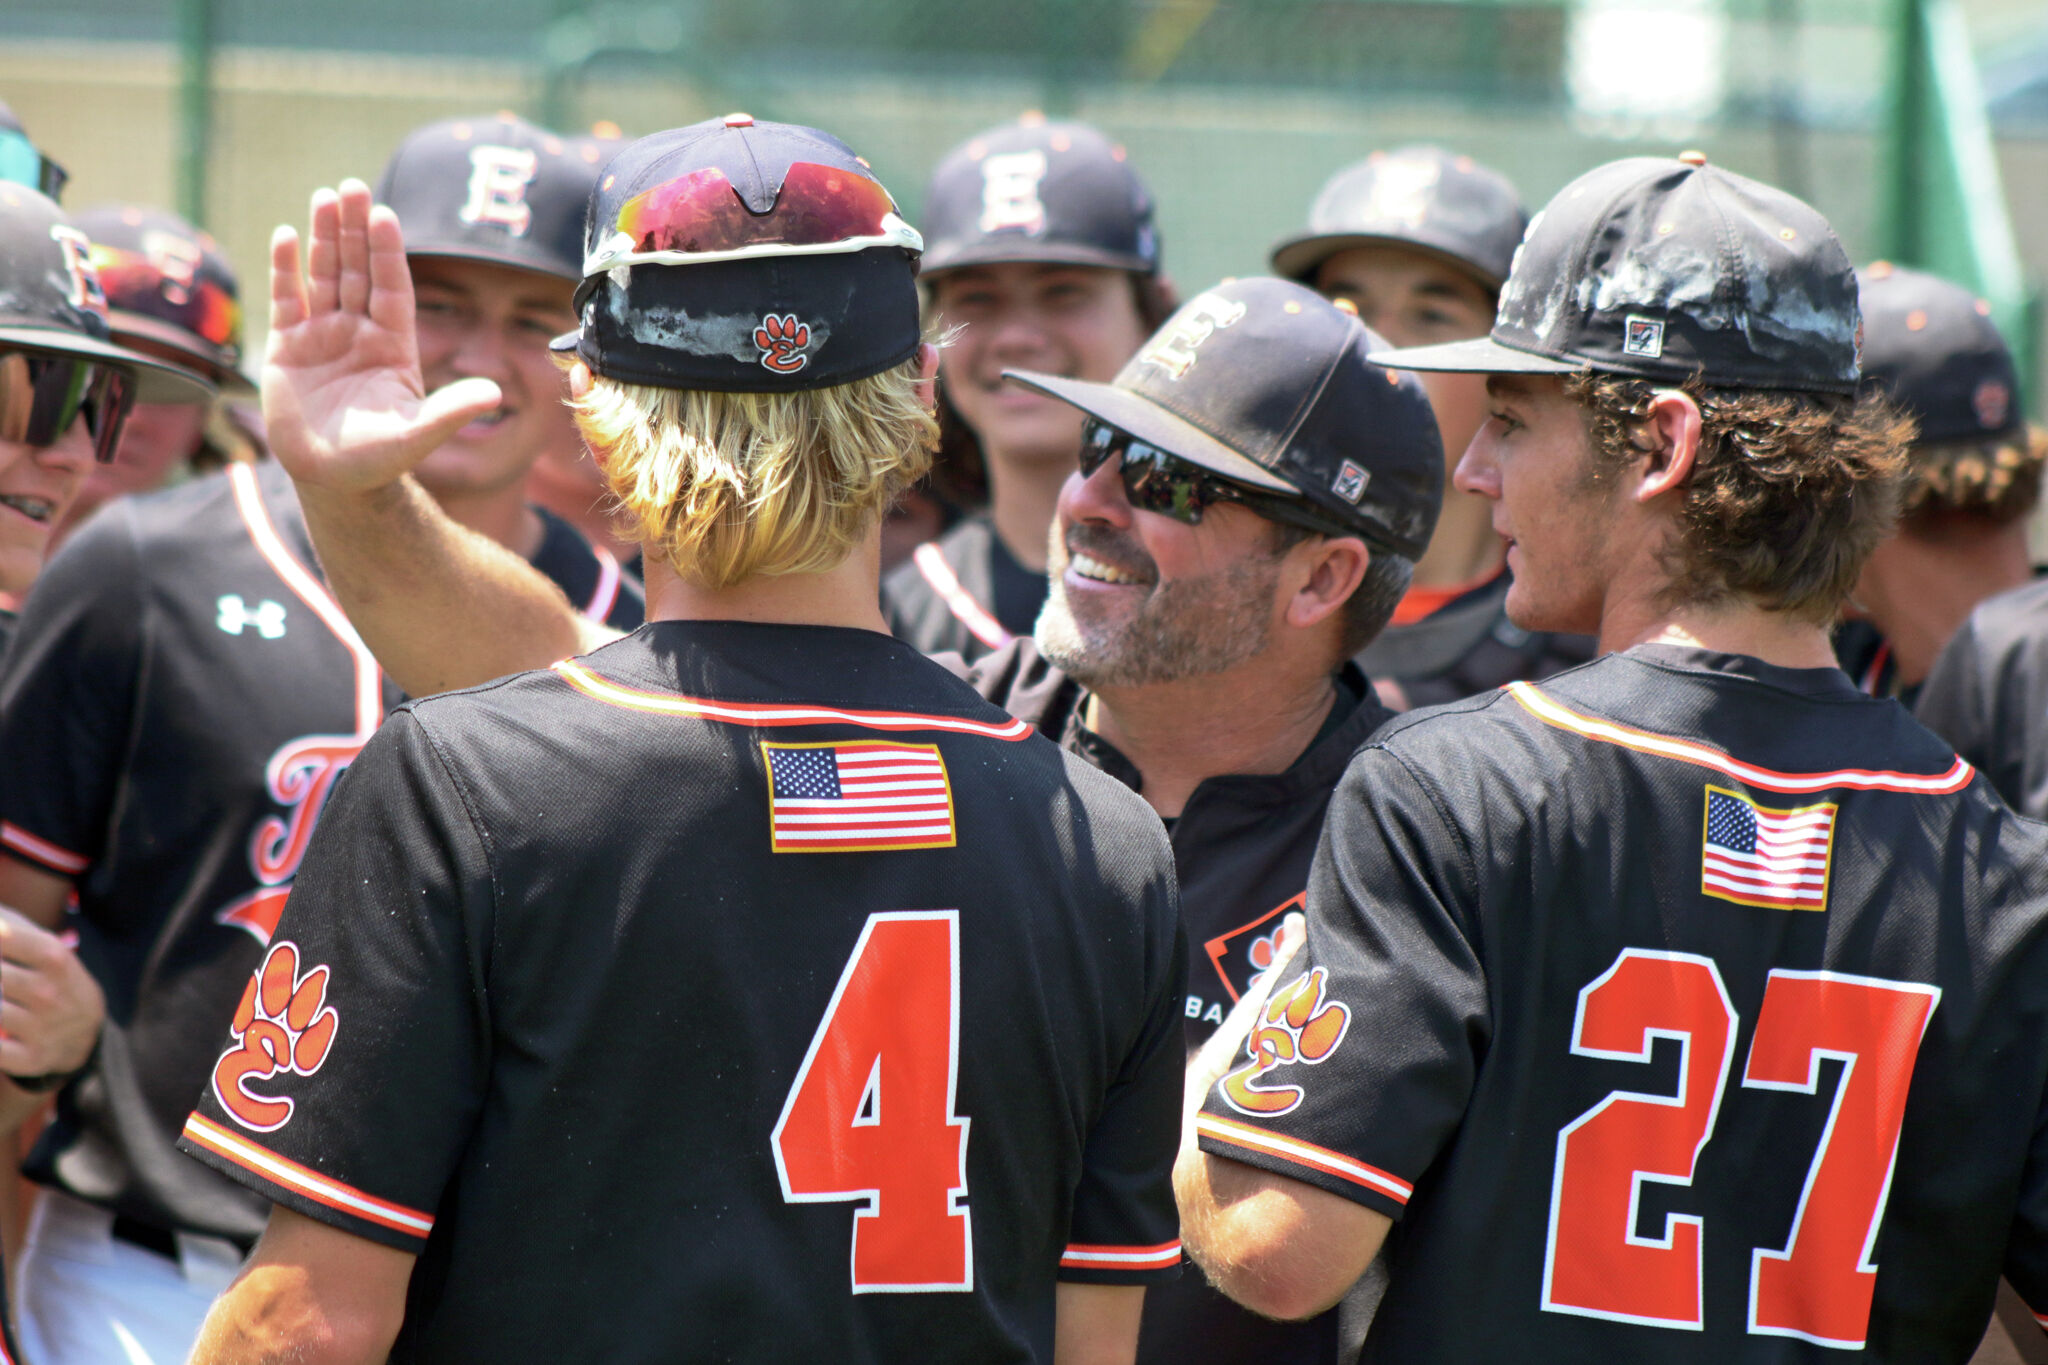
[[964, 593], [624, 980], [179, 702], [1468, 646], [1655, 1003], [1242, 846], [1987, 694]]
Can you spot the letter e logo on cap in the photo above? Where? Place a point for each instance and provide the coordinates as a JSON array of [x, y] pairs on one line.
[[1645, 337], [1009, 192], [498, 178], [1173, 350], [783, 341], [85, 292]]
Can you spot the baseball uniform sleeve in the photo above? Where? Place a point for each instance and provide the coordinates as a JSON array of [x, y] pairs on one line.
[[357, 1060], [2026, 1251], [1360, 1066], [67, 697], [1125, 1228], [1962, 701]]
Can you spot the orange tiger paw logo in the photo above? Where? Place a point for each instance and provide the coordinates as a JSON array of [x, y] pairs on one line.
[[783, 340], [284, 1026], [1296, 1026]]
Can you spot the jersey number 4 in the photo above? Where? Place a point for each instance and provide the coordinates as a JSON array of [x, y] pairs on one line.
[[870, 1115], [1818, 1286]]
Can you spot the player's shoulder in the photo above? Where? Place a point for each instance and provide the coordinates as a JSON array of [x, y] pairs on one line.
[[962, 548], [2012, 621]]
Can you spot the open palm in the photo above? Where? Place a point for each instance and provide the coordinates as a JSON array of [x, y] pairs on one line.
[[343, 399]]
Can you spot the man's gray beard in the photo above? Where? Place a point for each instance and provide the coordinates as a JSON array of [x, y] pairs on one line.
[[1187, 628]]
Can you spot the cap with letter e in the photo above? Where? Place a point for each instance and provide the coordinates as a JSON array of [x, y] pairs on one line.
[[170, 291], [1669, 270], [743, 256], [495, 189], [1039, 192], [1422, 198], [1268, 384]]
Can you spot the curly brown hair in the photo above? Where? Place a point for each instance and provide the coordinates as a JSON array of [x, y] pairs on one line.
[[1999, 481], [1789, 492]]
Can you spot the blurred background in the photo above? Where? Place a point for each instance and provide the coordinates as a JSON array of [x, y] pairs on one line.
[[1920, 127]]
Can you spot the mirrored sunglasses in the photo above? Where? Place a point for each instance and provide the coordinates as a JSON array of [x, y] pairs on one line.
[[42, 394], [204, 307], [1159, 481]]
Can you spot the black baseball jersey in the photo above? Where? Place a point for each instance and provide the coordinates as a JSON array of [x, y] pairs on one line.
[[963, 593], [1987, 694], [1868, 658], [1682, 1008], [181, 697], [1468, 646], [589, 575], [738, 992], [1242, 846]]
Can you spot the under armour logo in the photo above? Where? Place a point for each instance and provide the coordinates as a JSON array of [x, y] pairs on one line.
[[498, 179], [236, 616], [1009, 192], [783, 340], [1173, 350], [85, 291]]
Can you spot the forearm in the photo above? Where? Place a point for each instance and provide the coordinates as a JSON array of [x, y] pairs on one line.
[[1097, 1324], [439, 605], [270, 1316]]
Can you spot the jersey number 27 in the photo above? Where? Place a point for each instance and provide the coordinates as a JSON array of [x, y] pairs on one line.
[[870, 1114], [1818, 1286]]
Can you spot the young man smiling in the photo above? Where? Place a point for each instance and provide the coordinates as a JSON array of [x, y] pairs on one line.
[[1706, 849]]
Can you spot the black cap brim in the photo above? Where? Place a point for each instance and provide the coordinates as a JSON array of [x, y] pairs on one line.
[[1297, 258], [139, 331], [1146, 420], [1020, 249], [157, 381], [508, 260], [1480, 355]]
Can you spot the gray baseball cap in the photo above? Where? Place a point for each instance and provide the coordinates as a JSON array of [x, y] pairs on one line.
[[1423, 198]]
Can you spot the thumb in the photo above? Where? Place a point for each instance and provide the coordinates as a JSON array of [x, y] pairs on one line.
[[447, 409]]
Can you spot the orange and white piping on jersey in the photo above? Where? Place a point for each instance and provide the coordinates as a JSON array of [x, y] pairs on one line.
[[1079, 1256], [1303, 1154], [600, 604], [1554, 713], [369, 677], [936, 571], [42, 850], [761, 714], [291, 1175]]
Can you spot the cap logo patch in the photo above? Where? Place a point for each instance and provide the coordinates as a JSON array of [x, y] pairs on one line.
[[1644, 337], [1993, 402], [1401, 192], [498, 177], [83, 288], [1173, 350], [783, 342], [1009, 192], [177, 260], [1350, 482]]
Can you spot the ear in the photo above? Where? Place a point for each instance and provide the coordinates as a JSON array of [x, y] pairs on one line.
[[1334, 569], [581, 381], [928, 375], [1671, 432]]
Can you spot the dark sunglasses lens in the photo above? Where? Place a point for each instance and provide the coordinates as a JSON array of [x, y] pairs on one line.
[[42, 395], [1098, 443], [106, 410], [1155, 481]]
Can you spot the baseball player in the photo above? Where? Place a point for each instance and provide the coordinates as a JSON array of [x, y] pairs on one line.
[[1686, 1006], [1975, 475], [801, 923], [171, 294], [1418, 239], [179, 703], [1043, 254]]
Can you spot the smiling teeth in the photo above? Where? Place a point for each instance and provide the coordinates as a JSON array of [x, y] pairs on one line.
[[35, 509], [1089, 567]]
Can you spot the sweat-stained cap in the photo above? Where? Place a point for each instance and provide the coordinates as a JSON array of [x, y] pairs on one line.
[[1040, 193], [495, 189], [1930, 345], [1423, 198], [1667, 269], [1267, 383], [738, 256]]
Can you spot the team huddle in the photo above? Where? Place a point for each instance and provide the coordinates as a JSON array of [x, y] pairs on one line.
[[699, 772]]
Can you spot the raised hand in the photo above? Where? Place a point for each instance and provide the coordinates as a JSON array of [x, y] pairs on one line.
[[343, 399]]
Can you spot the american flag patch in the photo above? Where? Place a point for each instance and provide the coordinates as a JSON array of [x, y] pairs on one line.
[[857, 797], [1754, 855]]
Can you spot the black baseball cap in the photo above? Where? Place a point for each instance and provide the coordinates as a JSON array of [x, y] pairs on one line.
[[743, 256], [51, 298], [1423, 198], [1931, 346], [1039, 192], [169, 289], [1670, 269], [495, 189], [1268, 383]]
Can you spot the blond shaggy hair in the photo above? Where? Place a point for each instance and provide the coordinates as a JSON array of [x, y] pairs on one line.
[[732, 486]]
